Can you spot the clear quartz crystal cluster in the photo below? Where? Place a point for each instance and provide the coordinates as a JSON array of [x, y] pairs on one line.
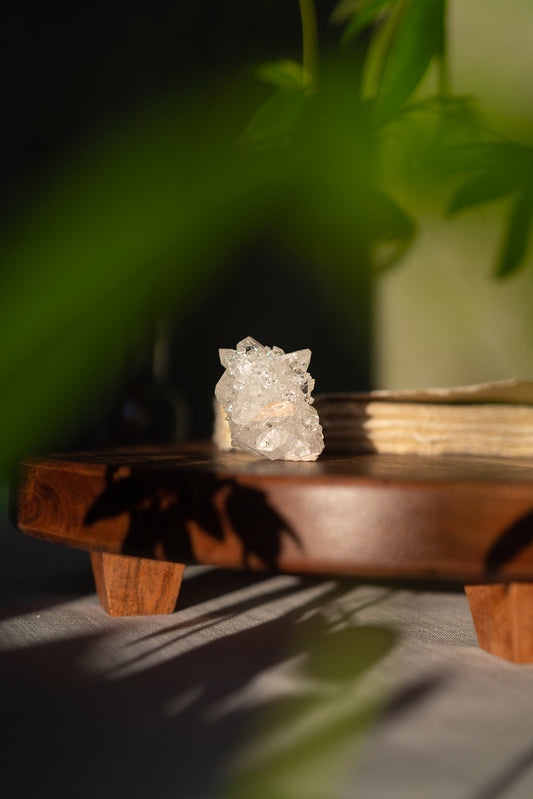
[[266, 396]]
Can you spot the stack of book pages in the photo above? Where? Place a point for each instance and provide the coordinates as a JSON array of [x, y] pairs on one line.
[[493, 419]]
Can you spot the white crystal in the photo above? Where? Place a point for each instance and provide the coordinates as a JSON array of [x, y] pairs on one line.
[[266, 397]]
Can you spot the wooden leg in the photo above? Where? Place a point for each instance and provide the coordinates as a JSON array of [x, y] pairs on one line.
[[503, 618], [129, 586]]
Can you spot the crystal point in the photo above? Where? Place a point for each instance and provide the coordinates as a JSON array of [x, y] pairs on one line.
[[224, 355], [299, 360], [266, 397], [249, 344]]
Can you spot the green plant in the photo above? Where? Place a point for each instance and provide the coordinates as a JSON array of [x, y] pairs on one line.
[[395, 44]]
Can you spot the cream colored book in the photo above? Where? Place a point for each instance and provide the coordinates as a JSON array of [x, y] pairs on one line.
[[494, 419]]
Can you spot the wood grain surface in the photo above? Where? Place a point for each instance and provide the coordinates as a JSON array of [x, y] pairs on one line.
[[503, 618], [129, 586], [380, 516]]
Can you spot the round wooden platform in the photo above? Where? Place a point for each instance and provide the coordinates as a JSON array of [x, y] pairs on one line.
[[447, 517]]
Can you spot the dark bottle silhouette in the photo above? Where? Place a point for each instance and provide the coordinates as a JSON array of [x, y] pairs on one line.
[[149, 409]]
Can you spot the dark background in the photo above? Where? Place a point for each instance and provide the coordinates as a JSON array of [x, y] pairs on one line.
[[67, 74]]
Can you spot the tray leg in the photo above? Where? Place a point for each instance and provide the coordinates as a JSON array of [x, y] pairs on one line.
[[129, 586], [503, 617]]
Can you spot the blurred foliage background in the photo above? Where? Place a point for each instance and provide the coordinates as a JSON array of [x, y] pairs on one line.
[[180, 177], [443, 317]]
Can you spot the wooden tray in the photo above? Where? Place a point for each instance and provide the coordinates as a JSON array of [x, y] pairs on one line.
[[143, 514]]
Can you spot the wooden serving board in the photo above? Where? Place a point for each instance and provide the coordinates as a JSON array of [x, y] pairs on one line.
[[143, 514]]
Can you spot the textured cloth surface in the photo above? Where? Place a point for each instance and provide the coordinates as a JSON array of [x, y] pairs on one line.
[[251, 672]]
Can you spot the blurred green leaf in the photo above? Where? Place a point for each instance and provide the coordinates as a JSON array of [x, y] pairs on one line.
[[418, 37], [284, 74], [274, 121], [491, 157], [378, 49], [363, 15], [518, 233], [500, 169], [451, 109], [392, 233], [345, 655], [148, 215], [144, 215], [343, 11], [480, 189], [327, 218], [304, 747]]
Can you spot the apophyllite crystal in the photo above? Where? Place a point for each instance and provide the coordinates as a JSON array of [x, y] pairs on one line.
[[266, 396]]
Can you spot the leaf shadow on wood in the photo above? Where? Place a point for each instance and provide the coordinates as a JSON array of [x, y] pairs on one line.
[[510, 544], [171, 517]]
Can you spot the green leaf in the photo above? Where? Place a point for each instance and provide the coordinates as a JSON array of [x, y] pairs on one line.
[[501, 157], [377, 52], [363, 16], [500, 169], [344, 656], [344, 10], [138, 219], [285, 74], [305, 746], [394, 231], [517, 236], [481, 188], [275, 120], [418, 37]]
